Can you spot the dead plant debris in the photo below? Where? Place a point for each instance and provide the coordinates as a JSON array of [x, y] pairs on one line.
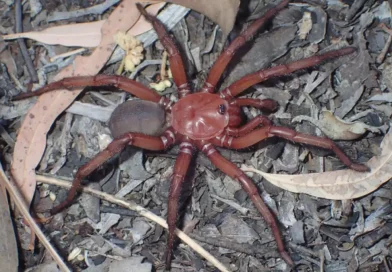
[[348, 99]]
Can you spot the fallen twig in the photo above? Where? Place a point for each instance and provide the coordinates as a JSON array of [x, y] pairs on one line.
[[380, 58], [68, 54], [20, 203], [141, 211], [21, 42]]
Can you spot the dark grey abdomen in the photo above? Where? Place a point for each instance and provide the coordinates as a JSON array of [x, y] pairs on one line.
[[137, 116]]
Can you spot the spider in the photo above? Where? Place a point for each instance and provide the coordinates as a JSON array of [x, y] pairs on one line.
[[204, 120]]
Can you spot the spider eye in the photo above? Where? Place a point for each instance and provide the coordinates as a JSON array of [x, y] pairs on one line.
[[222, 109]]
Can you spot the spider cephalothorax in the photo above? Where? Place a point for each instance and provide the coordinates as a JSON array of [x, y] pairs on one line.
[[203, 120]]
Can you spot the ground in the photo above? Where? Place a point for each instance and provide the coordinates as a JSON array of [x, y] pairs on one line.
[[319, 233]]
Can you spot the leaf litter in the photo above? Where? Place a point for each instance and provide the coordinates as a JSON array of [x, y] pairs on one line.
[[342, 184], [82, 34], [311, 222]]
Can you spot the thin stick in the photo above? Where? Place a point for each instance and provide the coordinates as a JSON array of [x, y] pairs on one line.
[[21, 42], [68, 54], [380, 58], [322, 259], [386, 29], [163, 66], [21, 204], [141, 211]]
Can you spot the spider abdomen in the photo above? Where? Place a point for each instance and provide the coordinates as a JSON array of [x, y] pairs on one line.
[[200, 116], [137, 116]]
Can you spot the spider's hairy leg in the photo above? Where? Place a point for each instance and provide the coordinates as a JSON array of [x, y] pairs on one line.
[[280, 70], [115, 147], [225, 57], [180, 169], [128, 85], [260, 134], [176, 64], [235, 173]]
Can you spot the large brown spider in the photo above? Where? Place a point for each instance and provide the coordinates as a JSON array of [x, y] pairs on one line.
[[205, 119]]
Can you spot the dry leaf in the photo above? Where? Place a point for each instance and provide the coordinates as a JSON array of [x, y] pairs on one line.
[[83, 34], [9, 250], [342, 184], [384, 97], [7, 59], [337, 129], [31, 139], [222, 12], [89, 34]]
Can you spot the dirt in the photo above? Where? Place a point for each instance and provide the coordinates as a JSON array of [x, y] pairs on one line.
[[320, 234]]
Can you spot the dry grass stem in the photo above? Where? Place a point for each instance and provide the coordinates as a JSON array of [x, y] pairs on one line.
[[141, 211], [21, 204]]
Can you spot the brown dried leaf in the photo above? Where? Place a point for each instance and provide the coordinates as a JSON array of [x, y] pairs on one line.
[[31, 139], [8, 251], [337, 129], [222, 12], [7, 59], [83, 34], [343, 184], [89, 34]]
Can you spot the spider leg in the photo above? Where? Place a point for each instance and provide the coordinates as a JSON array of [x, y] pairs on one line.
[[128, 85], [176, 63], [226, 56], [249, 80], [268, 105], [115, 147], [260, 134], [235, 173], [180, 169], [248, 127]]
